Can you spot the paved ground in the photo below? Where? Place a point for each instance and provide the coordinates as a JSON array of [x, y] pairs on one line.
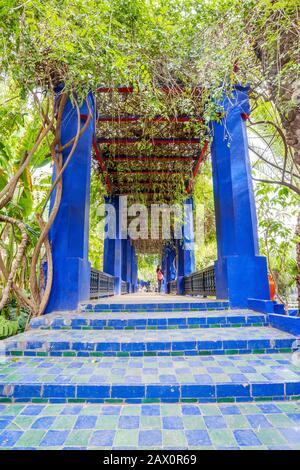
[[250, 338], [151, 297], [167, 426], [200, 379], [153, 370], [149, 320]]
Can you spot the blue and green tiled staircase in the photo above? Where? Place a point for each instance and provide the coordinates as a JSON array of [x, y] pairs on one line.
[[166, 375]]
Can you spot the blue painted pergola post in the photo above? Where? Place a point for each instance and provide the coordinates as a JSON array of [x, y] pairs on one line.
[[171, 262], [126, 262], [134, 270], [185, 246], [170, 271], [240, 272], [69, 233], [164, 267], [112, 255], [129, 265]]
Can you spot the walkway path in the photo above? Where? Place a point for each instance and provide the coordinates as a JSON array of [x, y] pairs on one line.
[[172, 373], [159, 426]]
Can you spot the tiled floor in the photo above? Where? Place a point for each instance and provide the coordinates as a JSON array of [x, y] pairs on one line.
[[148, 340], [151, 297], [142, 320], [167, 426], [185, 387], [153, 370]]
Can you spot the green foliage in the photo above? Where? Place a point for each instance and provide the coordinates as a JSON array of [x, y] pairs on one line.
[[8, 327], [147, 265], [277, 211], [13, 319], [96, 228], [148, 44], [206, 250]]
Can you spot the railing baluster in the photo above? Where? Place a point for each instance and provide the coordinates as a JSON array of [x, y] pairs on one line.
[[200, 282], [102, 284]]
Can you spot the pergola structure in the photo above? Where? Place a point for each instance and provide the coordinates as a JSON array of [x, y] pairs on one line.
[[154, 158]]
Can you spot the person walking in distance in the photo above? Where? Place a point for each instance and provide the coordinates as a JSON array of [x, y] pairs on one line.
[[160, 277]]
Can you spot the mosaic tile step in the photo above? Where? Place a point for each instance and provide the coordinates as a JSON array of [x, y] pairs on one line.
[[141, 342], [174, 379], [151, 320], [261, 426], [160, 306]]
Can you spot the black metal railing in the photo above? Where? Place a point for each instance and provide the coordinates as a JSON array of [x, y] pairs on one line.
[[201, 282], [102, 284], [172, 287], [124, 289]]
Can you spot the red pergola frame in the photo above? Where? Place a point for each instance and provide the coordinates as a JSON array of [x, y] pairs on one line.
[[197, 165], [154, 141], [99, 159], [164, 89], [149, 119], [147, 158]]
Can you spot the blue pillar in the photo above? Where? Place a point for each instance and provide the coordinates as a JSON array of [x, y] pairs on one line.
[[185, 246], [164, 267], [126, 262], [129, 267], [134, 270], [69, 233], [112, 255], [240, 272], [171, 269]]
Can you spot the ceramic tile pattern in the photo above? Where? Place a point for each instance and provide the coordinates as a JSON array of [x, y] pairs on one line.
[[138, 342], [167, 426], [176, 379], [155, 305], [151, 320], [169, 374]]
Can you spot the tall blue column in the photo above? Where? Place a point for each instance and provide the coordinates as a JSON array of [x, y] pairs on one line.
[[112, 255], [164, 267], [134, 270], [126, 262], [171, 269], [129, 265], [185, 246], [240, 272], [69, 233]]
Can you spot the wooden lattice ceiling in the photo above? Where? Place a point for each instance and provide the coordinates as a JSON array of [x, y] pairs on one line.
[[150, 151]]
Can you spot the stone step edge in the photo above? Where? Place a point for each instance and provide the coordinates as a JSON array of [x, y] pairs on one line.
[[204, 306], [170, 392], [158, 327], [151, 345], [149, 323], [207, 352]]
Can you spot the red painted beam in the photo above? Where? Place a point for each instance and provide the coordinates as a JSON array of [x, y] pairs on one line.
[[197, 165], [121, 89], [143, 157], [155, 141], [147, 172], [147, 193], [146, 184], [151, 159], [99, 159], [153, 119]]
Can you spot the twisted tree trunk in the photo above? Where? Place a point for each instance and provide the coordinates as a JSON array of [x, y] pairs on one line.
[[17, 261], [298, 261]]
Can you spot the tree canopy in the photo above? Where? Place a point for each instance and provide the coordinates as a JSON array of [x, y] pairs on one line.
[[147, 44]]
